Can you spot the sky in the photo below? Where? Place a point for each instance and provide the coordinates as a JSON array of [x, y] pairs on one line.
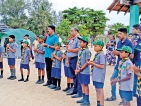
[[60, 5]]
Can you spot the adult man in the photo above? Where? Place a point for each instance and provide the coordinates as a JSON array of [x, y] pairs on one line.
[[124, 41], [72, 54], [137, 61], [51, 40]]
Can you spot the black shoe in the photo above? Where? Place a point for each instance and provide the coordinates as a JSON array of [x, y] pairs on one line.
[[9, 77], [1, 76], [46, 84], [26, 80], [13, 78], [66, 89], [21, 79]]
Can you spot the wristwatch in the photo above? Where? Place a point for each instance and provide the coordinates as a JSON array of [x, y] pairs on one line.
[[48, 46]]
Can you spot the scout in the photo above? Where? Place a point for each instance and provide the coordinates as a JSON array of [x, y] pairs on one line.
[[125, 76], [83, 70], [56, 67], [25, 61], [39, 59], [98, 71], [1, 60], [11, 52]]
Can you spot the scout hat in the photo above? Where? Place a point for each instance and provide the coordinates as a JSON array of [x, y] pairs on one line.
[[12, 36], [58, 44], [99, 42], [125, 48], [41, 36], [26, 42], [85, 39], [138, 46]]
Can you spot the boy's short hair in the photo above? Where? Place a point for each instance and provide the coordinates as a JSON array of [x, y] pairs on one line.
[[12, 36], [52, 27], [124, 30], [137, 27], [26, 35]]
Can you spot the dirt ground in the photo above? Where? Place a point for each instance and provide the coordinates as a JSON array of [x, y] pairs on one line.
[[14, 93]]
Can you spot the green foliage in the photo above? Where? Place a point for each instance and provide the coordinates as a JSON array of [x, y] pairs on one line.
[[90, 22], [13, 12], [34, 15], [114, 28]]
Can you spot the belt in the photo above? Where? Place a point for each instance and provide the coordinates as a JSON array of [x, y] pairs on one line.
[[73, 57]]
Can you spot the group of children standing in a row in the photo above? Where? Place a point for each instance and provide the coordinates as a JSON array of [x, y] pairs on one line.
[[83, 69]]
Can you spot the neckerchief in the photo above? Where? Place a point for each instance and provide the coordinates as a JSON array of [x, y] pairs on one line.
[[79, 58], [38, 48], [120, 68], [8, 50], [95, 58], [139, 85], [23, 52], [53, 60]]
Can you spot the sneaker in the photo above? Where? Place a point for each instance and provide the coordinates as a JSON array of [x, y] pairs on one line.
[[37, 81], [80, 101], [85, 103], [9, 77], [40, 82], [52, 87], [13, 78], [26, 80], [1, 76], [21, 79], [57, 88], [66, 89]]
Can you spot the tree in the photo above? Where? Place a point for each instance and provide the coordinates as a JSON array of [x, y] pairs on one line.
[[95, 21], [114, 28], [13, 12], [40, 14]]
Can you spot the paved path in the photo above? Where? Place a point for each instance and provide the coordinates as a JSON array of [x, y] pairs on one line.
[[14, 93]]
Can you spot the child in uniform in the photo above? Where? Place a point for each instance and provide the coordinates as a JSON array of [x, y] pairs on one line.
[[67, 71], [56, 67], [1, 60], [83, 70], [125, 76], [99, 71], [11, 52], [25, 59], [39, 59]]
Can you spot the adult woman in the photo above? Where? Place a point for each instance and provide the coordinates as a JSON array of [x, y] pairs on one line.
[[110, 46]]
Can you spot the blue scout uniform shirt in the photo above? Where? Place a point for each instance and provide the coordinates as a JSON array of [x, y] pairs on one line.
[[40, 57], [73, 44], [85, 55], [57, 63], [137, 60], [126, 85], [10, 53], [1, 50], [51, 40], [126, 42], [98, 74], [26, 58]]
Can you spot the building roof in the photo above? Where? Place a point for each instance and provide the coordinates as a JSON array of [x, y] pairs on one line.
[[116, 6], [4, 28]]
